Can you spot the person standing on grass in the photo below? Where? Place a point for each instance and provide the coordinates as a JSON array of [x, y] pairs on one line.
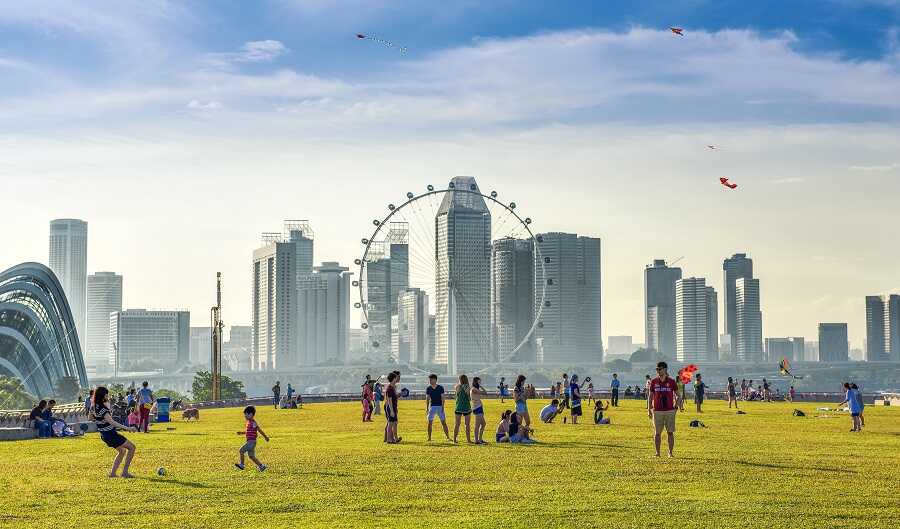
[[368, 395], [434, 404], [145, 401], [614, 389], [680, 385], [859, 398], [851, 400], [521, 400], [463, 407], [276, 393], [501, 387], [106, 426], [390, 410], [566, 391], [478, 409], [379, 396], [251, 431], [699, 392], [744, 389], [732, 393], [792, 394], [575, 396], [662, 403], [590, 392]]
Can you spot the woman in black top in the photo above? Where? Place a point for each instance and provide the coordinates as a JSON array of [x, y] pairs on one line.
[[37, 418], [107, 428]]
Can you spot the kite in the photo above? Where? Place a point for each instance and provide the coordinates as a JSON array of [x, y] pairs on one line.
[[686, 373], [785, 368], [677, 31], [713, 147], [726, 183], [387, 43]]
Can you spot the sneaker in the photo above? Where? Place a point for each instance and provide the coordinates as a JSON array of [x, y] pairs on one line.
[[239, 466], [262, 468]]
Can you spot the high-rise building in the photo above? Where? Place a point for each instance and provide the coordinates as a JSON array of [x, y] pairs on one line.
[[569, 329], [811, 351], [883, 328], [712, 325], [833, 343], [236, 352], [512, 299], [323, 316], [201, 346], [659, 307], [412, 327], [387, 275], [463, 277], [277, 267], [792, 348], [68, 260], [691, 334], [620, 346], [104, 296], [150, 339], [735, 267], [748, 343]]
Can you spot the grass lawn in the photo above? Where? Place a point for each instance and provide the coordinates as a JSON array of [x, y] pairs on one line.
[[765, 469]]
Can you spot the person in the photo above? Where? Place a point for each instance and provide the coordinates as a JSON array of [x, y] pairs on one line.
[[463, 408], [89, 402], [134, 418], [767, 396], [434, 404], [732, 393], [478, 409], [520, 397], [575, 396], [792, 394], [566, 391], [550, 411], [290, 392], [368, 395], [518, 432], [699, 392], [379, 396], [501, 389], [590, 392], [750, 390], [598, 412], [852, 402], [744, 389], [614, 389], [37, 419], [662, 403], [503, 427], [251, 431], [129, 399], [47, 415], [145, 401], [681, 394], [276, 393], [859, 397], [390, 410], [106, 426], [646, 387]]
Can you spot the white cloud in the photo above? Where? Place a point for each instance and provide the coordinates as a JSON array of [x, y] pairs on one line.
[[199, 105], [789, 180], [251, 52], [876, 168]]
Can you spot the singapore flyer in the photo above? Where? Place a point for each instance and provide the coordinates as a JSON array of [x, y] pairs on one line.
[[452, 278]]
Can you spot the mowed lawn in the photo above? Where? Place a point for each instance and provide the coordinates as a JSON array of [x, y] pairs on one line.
[[327, 469]]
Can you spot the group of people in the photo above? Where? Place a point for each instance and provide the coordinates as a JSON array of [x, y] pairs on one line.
[[291, 400], [42, 418], [854, 400], [132, 409]]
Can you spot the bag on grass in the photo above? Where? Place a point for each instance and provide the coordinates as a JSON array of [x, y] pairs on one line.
[[799, 413]]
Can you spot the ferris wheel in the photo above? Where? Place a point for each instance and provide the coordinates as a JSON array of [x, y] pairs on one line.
[[452, 276]]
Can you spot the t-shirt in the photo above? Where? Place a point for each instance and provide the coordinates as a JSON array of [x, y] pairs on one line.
[[615, 383], [567, 388], [35, 414], [731, 388], [575, 393], [436, 394], [252, 430], [853, 401], [145, 395], [699, 388], [663, 393], [101, 416], [547, 411], [392, 397]]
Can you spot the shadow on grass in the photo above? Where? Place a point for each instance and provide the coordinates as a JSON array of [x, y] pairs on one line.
[[794, 467], [169, 481]]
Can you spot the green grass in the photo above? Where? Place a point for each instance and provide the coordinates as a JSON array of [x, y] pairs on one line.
[[765, 469]]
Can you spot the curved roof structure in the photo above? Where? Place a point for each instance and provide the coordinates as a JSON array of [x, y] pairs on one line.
[[38, 340]]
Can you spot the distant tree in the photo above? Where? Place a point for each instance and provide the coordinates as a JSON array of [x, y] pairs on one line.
[[13, 395], [68, 389], [646, 355], [170, 393], [201, 387], [619, 365]]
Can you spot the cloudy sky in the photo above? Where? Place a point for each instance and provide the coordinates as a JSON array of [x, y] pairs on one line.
[[182, 130]]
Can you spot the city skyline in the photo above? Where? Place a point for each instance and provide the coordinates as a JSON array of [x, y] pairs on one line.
[[312, 106]]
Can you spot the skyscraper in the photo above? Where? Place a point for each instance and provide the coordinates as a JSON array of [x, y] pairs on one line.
[[659, 307], [791, 348], [104, 296], [201, 346], [748, 344], [512, 299], [150, 339], [569, 329], [463, 277], [735, 267], [323, 316], [412, 327], [712, 324], [691, 314], [387, 275], [68, 260], [277, 267], [883, 328], [833, 343]]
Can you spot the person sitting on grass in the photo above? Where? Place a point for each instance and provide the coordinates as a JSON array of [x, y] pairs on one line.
[[503, 427], [518, 431], [599, 408], [550, 411], [251, 431]]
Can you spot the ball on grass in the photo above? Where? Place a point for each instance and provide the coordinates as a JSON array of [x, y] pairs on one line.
[[160, 471]]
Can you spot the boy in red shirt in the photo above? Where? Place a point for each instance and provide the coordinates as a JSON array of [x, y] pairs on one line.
[[251, 432], [662, 402]]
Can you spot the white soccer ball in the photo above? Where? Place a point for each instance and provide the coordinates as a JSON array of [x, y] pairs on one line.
[[161, 471]]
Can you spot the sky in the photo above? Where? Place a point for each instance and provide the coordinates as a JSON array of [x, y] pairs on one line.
[[182, 130]]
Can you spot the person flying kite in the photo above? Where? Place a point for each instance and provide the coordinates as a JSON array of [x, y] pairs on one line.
[[726, 183], [785, 368], [677, 31]]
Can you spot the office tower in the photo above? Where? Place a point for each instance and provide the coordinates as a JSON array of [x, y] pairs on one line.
[[201, 346], [512, 299], [811, 351], [150, 339], [833, 343], [68, 260], [691, 335], [620, 346], [412, 327], [237, 351], [104, 296], [736, 267], [569, 329], [712, 325], [323, 316], [359, 344], [462, 278], [277, 267], [792, 348], [387, 275], [883, 328], [659, 307], [748, 321]]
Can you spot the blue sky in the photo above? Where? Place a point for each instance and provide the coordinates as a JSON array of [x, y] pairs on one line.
[[593, 114]]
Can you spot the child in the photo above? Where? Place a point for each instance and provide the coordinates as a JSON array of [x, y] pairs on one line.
[[106, 426], [598, 412], [591, 392], [503, 427], [134, 418], [251, 432]]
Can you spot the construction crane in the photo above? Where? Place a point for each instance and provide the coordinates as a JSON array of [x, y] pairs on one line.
[[217, 327]]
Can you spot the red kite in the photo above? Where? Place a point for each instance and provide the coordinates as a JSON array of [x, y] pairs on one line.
[[677, 31], [726, 183]]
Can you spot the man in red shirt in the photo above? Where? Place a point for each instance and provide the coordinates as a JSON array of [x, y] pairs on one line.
[[662, 401]]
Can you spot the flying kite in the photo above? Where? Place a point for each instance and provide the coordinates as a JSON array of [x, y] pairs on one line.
[[785, 367], [713, 147], [686, 373], [387, 43], [677, 31], [726, 183]]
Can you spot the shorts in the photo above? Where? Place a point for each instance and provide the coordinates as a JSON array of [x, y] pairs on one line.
[[500, 437], [249, 448], [855, 414], [387, 415], [576, 411], [436, 410], [478, 411], [664, 419], [458, 412], [113, 439], [521, 406], [698, 399]]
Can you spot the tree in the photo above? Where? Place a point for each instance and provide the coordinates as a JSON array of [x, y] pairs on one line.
[[68, 389], [170, 393], [201, 387], [646, 355], [619, 365], [13, 395]]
